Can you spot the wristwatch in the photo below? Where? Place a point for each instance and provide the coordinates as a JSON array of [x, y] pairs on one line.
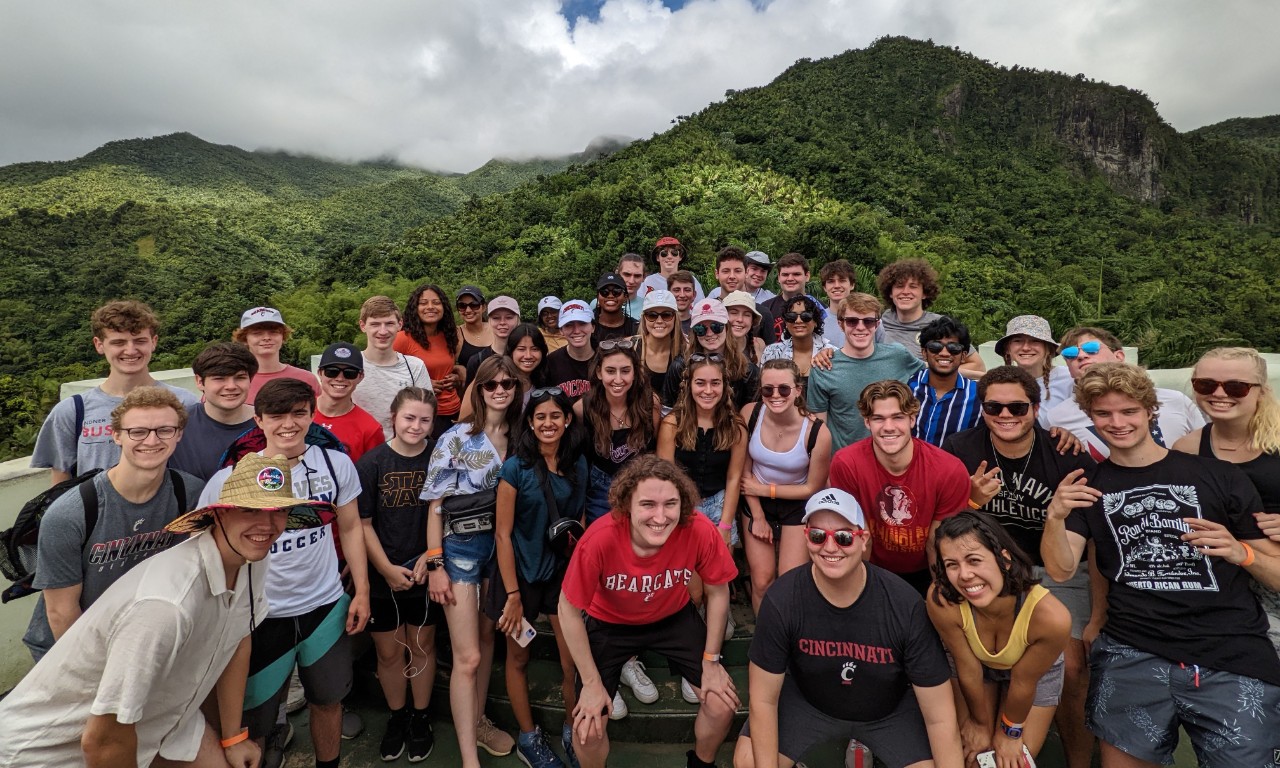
[[1012, 730], [433, 565]]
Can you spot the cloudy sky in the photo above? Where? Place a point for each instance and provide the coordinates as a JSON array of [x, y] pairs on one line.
[[447, 84]]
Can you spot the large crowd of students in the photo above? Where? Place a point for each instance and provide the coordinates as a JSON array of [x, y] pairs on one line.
[[942, 561]]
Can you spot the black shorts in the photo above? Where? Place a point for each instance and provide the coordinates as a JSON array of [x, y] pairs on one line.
[[681, 637], [538, 597], [413, 608], [783, 511]]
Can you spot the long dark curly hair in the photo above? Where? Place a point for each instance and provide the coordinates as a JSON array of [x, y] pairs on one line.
[[447, 325]]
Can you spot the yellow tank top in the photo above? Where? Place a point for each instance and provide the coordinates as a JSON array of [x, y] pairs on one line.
[[1017, 644]]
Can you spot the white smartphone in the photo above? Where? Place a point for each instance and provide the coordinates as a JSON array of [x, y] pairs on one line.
[[525, 634], [988, 759]]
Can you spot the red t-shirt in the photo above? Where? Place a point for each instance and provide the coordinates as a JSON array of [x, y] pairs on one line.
[[611, 583], [439, 361], [357, 430], [901, 508]]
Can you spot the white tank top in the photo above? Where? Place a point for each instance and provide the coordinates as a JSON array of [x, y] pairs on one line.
[[789, 468]]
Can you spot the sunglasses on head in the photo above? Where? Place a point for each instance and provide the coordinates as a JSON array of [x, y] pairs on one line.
[[467, 306], [610, 345], [611, 290], [667, 316], [995, 408], [953, 347], [492, 384], [804, 317], [544, 393], [1233, 388], [844, 537], [850, 321], [1089, 348], [706, 359], [702, 329], [334, 371], [783, 390]]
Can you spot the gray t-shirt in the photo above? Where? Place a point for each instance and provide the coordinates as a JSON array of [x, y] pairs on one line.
[[203, 443], [58, 446], [836, 392], [894, 331], [382, 383], [125, 535]]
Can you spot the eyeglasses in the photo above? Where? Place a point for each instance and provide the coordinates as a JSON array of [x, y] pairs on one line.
[[467, 306], [609, 345], [611, 290], [1089, 348], [334, 371], [543, 393], [665, 317], [492, 384], [853, 322], [804, 317], [1233, 388], [783, 390], [844, 537], [702, 329], [138, 434], [954, 348], [706, 359], [995, 408]]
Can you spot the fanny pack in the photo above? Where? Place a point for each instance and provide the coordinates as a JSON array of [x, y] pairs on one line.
[[470, 512], [563, 532]]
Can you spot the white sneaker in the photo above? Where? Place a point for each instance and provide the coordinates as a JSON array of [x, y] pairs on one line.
[[634, 677], [687, 693], [296, 699], [619, 710]]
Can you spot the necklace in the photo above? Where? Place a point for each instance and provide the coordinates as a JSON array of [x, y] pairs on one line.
[[995, 454], [1215, 440], [619, 421]]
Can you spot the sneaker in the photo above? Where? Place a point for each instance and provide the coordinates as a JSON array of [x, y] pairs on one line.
[[634, 677], [297, 698], [857, 755], [534, 751], [566, 741], [393, 739], [352, 725], [421, 738], [619, 710], [729, 626], [277, 744], [687, 692], [492, 739]]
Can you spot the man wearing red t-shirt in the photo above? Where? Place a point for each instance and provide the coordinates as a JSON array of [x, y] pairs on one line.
[[341, 370], [906, 485], [630, 575]]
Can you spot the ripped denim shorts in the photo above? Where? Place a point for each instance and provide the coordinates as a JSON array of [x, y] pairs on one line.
[[468, 556]]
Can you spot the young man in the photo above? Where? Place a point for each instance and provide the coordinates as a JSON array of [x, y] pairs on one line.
[[341, 371], [1014, 468], [386, 371], [669, 255], [683, 286], [126, 685], [909, 287], [224, 371], [630, 577], [309, 609], [567, 368], [263, 331], [504, 316], [631, 270], [948, 401], [793, 276], [611, 320], [76, 435], [731, 274], [838, 281], [908, 485], [758, 267], [845, 650], [549, 322], [1185, 641], [833, 394], [131, 504]]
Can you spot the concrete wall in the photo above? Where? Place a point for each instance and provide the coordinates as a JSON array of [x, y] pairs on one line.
[[18, 483]]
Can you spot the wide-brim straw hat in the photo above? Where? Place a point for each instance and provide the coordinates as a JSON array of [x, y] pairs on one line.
[[1028, 325], [258, 482]]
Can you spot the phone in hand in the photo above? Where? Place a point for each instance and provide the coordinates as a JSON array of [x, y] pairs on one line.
[[988, 759], [525, 634]]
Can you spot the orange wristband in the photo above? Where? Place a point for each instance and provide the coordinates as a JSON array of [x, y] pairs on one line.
[[435, 552], [773, 490], [974, 505], [1248, 552], [234, 740]]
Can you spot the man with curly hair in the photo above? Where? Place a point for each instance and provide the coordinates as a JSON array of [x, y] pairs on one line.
[[909, 287]]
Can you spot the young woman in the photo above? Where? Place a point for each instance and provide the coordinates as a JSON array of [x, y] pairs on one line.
[[549, 322], [547, 468], [1005, 633], [660, 340], [802, 322], [527, 348], [709, 336], [744, 321], [430, 335], [1231, 385], [395, 534], [476, 333], [466, 463], [1029, 344], [788, 455]]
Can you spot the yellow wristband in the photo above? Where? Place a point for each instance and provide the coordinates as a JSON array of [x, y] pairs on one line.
[[1248, 555], [234, 740]]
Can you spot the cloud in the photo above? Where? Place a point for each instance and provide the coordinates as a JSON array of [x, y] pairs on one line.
[[450, 85]]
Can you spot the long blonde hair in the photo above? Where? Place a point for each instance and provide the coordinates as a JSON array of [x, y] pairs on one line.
[[1264, 425]]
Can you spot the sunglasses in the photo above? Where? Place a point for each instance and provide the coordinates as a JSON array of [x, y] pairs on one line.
[[935, 347], [467, 306], [610, 345], [804, 317], [854, 322], [783, 390], [611, 290], [702, 329], [492, 384], [706, 359], [334, 371], [995, 408], [670, 252], [1233, 388], [1089, 348], [844, 537], [138, 434], [542, 393], [663, 316]]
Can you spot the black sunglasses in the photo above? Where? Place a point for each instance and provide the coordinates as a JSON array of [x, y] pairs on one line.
[[668, 316], [492, 384], [467, 306], [611, 290], [609, 345], [543, 393], [995, 408], [334, 371], [783, 390], [701, 329], [953, 347], [804, 317], [853, 322], [1233, 388], [706, 359]]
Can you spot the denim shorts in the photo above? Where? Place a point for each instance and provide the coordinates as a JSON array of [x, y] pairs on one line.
[[468, 556], [598, 493], [713, 507]]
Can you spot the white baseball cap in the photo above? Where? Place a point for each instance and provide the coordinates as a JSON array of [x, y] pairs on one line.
[[660, 299], [549, 302], [838, 501], [259, 315], [576, 311]]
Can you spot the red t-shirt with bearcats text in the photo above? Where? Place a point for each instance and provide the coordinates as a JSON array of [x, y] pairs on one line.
[[608, 580]]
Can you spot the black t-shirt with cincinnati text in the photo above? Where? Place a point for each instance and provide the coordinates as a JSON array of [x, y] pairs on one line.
[[1166, 598], [570, 375], [390, 486], [852, 663], [1028, 481]]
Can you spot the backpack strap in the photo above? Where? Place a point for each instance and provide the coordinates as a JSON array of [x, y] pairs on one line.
[[89, 498], [813, 436], [755, 417], [337, 489], [77, 402], [179, 490]]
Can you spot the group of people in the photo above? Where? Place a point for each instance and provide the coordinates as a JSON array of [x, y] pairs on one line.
[[942, 561]]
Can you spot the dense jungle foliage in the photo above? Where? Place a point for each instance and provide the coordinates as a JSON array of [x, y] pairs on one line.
[[1029, 191]]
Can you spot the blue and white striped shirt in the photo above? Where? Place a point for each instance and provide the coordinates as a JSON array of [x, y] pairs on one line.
[[955, 411]]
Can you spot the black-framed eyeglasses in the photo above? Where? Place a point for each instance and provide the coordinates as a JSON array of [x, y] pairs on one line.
[[995, 407], [334, 371], [702, 329], [492, 385], [1233, 388], [936, 347], [138, 434], [467, 306], [545, 393], [783, 390], [609, 345], [712, 358], [850, 321], [804, 317], [611, 290]]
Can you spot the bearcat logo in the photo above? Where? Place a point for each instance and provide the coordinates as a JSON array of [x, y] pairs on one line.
[[271, 479]]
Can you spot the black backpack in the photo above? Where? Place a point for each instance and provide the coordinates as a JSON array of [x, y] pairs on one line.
[[18, 544]]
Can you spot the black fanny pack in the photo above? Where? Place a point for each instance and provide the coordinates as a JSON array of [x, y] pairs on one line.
[[471, 512], [562, 532]]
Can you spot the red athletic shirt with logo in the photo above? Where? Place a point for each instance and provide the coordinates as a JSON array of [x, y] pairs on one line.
[[900, 508], [608, 580]]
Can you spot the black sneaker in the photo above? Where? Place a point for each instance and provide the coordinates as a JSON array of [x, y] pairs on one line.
[[393, 740], [421, 739], [277, 744]]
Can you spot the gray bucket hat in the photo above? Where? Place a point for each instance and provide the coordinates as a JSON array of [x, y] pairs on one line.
[[1028, 325]]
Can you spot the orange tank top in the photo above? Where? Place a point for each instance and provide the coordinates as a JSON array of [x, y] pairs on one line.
[[439, 361]]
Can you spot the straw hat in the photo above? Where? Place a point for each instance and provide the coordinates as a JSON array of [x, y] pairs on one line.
[[257, 482]]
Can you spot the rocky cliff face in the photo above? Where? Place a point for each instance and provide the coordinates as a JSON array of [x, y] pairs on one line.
[[1119, 143]]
